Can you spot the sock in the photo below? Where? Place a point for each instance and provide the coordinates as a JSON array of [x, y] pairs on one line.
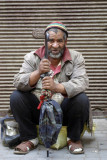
[[34, 141], [68, 138]]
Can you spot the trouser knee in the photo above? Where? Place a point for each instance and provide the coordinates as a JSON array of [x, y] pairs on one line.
[[15, 98], [82, 100], [76, 105], [81, 104], [23, 101]]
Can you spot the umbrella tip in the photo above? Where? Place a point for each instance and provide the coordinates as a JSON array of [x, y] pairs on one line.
[[47, 152]]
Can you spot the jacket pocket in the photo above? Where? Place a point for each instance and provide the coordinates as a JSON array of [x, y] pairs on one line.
[[65, 77], [68, 72]]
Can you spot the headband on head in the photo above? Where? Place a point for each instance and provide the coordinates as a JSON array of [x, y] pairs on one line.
[[57, 25]]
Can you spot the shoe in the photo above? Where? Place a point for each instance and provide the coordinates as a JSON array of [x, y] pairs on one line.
[[24, 147], [75, 147]]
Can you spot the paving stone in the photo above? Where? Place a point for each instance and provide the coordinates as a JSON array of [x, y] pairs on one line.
[[91, 153], [103, 153], [90, 142]]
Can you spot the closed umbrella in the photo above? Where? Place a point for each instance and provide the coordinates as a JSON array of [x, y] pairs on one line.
[[50, 121]]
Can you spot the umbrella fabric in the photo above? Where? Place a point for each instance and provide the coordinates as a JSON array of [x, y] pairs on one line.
[[50, 122]]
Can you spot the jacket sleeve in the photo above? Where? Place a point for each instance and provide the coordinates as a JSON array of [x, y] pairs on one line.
[[78, 80], [21, 80]]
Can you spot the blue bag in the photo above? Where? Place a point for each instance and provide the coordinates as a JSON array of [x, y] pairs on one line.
[[9, 131]]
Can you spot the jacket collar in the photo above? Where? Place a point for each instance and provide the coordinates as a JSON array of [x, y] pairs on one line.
[[41, 53]]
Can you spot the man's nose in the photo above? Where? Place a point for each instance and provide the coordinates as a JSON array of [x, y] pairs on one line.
[[55, 45]]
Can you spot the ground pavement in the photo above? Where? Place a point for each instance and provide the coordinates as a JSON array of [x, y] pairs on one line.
[[95, 148]]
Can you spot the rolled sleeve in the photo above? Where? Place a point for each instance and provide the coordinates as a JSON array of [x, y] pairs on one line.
[[21, 80], [76, 86]]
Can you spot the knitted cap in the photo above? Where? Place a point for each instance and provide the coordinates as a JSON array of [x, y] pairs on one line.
[[57, 25]]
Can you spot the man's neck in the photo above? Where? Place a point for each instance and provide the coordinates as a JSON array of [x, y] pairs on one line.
[[54, 61]]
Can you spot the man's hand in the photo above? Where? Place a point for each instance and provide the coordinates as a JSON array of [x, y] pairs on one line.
[[44, 66], [48, 83]]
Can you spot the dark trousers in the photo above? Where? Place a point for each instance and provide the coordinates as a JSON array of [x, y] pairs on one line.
[[24, 109]]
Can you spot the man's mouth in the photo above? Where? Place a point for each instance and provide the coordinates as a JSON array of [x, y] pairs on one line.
[[55, 51]]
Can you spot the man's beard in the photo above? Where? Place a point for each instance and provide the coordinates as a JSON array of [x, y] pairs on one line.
[[57, 55]]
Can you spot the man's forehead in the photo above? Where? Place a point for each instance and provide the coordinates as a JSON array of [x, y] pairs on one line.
[[59, 34]]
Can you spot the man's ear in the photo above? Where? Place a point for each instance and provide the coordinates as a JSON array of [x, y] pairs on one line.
[[66, 42]]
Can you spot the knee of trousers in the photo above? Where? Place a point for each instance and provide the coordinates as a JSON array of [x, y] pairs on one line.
[[83, 101], [80, 103], [15, 98]]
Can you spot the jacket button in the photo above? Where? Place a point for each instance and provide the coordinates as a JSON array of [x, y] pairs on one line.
[[68, 73]]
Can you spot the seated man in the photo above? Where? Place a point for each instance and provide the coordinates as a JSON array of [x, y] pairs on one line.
[[67, 81]]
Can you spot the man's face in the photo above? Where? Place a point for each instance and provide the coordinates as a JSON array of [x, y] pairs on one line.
[[56, 44]]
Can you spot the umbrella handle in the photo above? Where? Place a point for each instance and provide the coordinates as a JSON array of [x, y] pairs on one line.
[[46, 44], [46, 52]]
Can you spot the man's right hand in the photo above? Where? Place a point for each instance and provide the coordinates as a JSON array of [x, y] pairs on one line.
[[44, 66]]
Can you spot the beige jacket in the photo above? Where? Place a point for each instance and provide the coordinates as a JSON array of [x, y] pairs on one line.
[[72, 75]]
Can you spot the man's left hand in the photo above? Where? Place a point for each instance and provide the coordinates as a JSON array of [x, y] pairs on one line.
[[48, 83]]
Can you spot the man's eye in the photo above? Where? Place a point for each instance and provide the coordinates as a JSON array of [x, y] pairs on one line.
[[60, 40], [51, 40]]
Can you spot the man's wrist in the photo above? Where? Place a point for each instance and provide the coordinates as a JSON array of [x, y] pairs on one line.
[[59, 88], [38, 72], [34, 77]]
